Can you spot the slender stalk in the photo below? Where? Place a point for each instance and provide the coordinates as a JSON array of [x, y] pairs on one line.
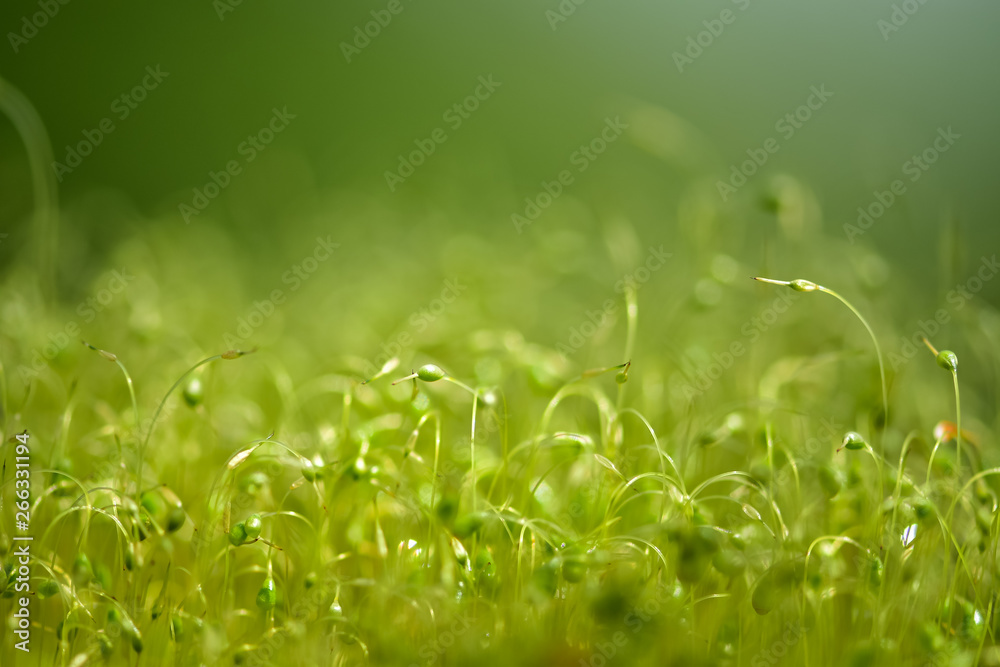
[[878, 353], [231, 354], [808, 286], [632, 314], [29, 125]]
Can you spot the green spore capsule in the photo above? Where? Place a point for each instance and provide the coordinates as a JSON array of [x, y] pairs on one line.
[[253, 526], [194, 392], [430, 373], [175, 518], [130, 560], [948, 360], [238, 534], [853, 441], [267, 597], [468, 524], [800, 285], [82, 570], [153, 503], [622, 377], [312, 471], [47, 589]]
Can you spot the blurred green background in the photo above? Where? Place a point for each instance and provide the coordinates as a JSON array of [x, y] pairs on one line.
[[229, 67], [355, 112], [431, 266]]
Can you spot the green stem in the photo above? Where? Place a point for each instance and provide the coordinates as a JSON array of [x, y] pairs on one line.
[[878, 353], [29, 125], [958, 425], [159, 408]]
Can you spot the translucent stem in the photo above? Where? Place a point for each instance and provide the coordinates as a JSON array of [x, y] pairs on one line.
[[878, 353], [29, 125]]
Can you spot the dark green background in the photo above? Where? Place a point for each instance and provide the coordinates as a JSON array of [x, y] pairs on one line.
[[353, 119]]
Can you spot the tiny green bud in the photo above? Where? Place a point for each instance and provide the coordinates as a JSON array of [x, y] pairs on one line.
[[948, 360], [800, 285], [430, 373], [312, 470], [252, 526], [468, 524], [130, 560], [266, 596], [359, 468], [47, 589], [853, 440], [194, 392], [622, 377], [152, 502], [238, 534], [175, 518]]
